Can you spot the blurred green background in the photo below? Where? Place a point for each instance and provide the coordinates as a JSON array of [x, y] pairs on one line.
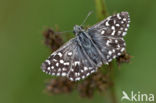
[[22, 50]]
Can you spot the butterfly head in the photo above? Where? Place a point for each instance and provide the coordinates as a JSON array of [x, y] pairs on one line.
[[77, 29]]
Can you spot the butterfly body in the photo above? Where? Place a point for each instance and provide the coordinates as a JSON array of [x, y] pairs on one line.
[[89, 48], [82, 55]]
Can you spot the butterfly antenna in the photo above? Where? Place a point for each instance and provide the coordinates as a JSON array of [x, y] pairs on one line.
[[86, 18], [63, 32]]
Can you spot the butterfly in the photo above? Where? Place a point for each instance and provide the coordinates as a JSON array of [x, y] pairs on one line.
[[89, 49]]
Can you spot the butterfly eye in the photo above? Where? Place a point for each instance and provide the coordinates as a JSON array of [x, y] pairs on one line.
[[74, 32]]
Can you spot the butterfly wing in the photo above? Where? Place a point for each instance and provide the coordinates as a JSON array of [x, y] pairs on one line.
[[108, 35], [69, 61], [114, 26]]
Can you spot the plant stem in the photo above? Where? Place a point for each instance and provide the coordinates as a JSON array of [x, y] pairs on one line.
[[102, 13], [112, 86]]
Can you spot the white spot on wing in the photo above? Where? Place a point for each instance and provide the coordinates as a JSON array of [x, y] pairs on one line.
[[64, 69], [124, 33], [71, 79], [60, 54], [57, 64], [117, 25], [70, 53], [107, 43], [85, 68], [113, 32], [110, 52], [58, 74], [63, 74], [114, 21], [118, 16], [54, 60], [102, 32], [124, 19], [118, 46], [113, 50], [122, 49], [113, 28], [59, 69], [114, 56], [87, 74], [72, 69], [119, 54], [61, 61], [121, 28], [109, 60], [52, 67], [48, 62], [78, 74], [83, 77], [77, 62], [107, 24], [116, 41], [119, 32], [67, 63], [48, 68], [77, 78], [82, 70], [92, 71]]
